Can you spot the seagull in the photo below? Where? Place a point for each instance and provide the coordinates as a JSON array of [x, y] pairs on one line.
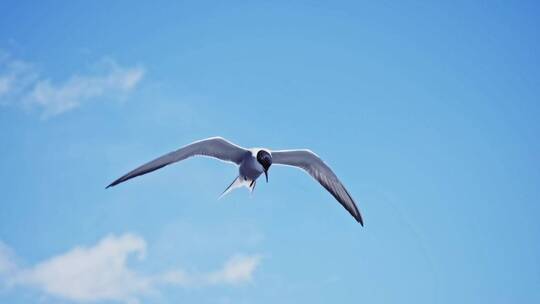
[[252, 163]]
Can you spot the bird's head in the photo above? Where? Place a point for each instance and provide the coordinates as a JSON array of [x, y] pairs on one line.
[[265, 159]]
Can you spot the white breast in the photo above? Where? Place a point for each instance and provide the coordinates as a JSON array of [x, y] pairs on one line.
[[254, 151]]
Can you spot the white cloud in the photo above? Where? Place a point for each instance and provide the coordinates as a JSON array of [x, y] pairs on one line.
[[21, 84], [16, 76], [91, 274], [7, 263], [237, 270], [101, 272]]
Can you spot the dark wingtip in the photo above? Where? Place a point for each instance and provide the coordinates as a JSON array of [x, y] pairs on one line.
[[112, 184], [358, 216]]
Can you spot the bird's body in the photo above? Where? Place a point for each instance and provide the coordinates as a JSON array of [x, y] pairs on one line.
[[249, 171], [252, 163], [250, 168]]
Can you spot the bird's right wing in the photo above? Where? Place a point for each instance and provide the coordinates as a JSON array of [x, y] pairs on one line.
[[312, 164], [215, 147]]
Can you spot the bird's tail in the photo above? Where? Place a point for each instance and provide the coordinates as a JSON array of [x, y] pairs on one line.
[[237, 183]]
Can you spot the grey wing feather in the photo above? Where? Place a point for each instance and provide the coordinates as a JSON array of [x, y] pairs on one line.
[[313, 165], [215, 147]]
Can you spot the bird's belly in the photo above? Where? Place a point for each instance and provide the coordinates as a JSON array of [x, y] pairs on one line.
[[251, 170]]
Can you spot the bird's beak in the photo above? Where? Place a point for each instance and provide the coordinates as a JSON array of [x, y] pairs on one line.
[[266, 174]]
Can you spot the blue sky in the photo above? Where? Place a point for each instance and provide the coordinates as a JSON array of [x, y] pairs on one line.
[[428, 112]]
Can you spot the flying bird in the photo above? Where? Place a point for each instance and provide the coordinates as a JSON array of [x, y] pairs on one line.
[[252, 163]]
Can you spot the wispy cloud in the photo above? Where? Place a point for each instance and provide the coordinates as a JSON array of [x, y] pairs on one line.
[[101, 272], [7, 260], [22, 85], [237, 270], [16, 76]]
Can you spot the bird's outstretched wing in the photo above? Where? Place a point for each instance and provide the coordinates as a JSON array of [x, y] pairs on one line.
[[215, 147], [313, 165]]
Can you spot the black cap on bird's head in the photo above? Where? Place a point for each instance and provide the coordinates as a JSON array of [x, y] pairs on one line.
[[265, 159]]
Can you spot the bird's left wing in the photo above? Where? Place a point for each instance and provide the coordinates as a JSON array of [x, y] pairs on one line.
[[313, 165], [215, 147]]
